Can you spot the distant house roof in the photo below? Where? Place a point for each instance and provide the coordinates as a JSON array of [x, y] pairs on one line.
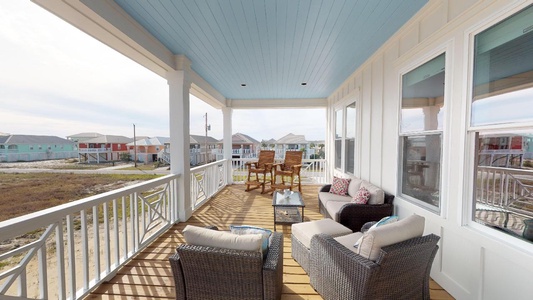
[[20, 139], [201, 139], [268, 142], [241, 138], [85, 135], [109, 139], [292, 139], [155, 141]]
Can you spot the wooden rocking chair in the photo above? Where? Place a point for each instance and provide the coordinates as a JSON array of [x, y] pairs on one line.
[[260, 168], [289, 168]]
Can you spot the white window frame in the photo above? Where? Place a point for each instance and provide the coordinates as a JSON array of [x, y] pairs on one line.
[[446, 49], [471, 131], [342, 105]]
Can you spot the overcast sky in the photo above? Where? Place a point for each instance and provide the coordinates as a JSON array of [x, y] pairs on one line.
[[56, 80]]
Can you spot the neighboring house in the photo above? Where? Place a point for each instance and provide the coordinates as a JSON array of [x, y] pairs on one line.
[[242, 145], [198, 152], [19, 147], [103, 148], [148, 149], [292, 142]]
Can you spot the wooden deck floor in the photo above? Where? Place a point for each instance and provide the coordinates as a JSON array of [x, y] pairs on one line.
[[148, 275]]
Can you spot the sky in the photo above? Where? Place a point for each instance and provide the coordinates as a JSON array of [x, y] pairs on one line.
[[57, 80]]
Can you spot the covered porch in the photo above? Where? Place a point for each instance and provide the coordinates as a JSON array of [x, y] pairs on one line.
[[363, 66], [148, 274]]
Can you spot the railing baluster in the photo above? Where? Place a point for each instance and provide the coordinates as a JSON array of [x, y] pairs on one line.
[[124, 227], [22, 289], [84, 250], [96, 233], [107, 239], [43, 278], [132, 223], [116, 233], [60, 251], [71, 256]]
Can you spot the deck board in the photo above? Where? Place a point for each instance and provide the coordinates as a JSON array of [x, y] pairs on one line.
[[148, 275]]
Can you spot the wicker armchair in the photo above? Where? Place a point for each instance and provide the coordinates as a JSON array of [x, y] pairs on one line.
[[354, 216], [400, 272], [288, 170], [260, 169], [215, 273]]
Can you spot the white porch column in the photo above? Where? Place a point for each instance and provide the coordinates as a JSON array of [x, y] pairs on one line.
[[179, 86], [227, 113]]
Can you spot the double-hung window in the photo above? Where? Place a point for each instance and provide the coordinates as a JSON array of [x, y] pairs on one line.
[[422, 111], [345, 133], [501, 124], [338, 138], [349, 141]]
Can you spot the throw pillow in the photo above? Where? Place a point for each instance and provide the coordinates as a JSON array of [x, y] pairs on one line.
[[245, 229], [339, 186], [362, 196], [383, 221]]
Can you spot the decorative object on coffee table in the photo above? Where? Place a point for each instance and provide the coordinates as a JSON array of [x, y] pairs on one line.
[[288, 207]]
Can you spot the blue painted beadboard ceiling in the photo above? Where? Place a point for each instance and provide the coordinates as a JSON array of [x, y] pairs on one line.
[[273, 46]]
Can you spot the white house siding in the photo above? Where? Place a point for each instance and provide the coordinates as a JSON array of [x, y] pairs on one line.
[[486, 264]]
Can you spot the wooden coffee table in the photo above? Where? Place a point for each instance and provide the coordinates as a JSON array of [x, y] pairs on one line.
[[288, 207]]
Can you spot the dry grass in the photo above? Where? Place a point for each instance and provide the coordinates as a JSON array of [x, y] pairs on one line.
[[21, 194]]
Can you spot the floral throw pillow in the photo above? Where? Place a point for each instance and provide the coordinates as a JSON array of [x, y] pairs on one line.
[[339, 186], [362, 196]]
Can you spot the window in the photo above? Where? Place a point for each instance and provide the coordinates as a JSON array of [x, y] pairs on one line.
[[12, 147], [338, 138], [2, 146], [349, 147], [501, 124], [422, 111]]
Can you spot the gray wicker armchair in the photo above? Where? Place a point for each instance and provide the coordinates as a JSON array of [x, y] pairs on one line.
[[401, 271], [215, 273]]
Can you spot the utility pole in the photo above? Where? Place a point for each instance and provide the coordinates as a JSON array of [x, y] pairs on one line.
[[134, 147], [207, 127]]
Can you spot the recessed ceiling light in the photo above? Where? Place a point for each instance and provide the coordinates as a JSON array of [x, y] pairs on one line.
[[303, 83], [243, 84]]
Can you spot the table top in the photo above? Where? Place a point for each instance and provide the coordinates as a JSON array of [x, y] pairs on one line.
[[287, 198]]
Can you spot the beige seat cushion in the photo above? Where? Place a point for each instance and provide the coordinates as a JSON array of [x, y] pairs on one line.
[[333, 207], [349, 240], [200, 236], [392, 233], [303, 232], [325, 197]]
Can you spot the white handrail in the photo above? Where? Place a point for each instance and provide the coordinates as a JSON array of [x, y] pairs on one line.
[[123, 222]]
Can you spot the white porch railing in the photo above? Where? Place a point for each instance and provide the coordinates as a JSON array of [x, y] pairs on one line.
[[504, 188], [312, 172], [94, 150], [207, 181], [69, 249]]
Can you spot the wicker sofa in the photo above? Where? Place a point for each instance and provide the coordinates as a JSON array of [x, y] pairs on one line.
[[341, 209], [202, 272]]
